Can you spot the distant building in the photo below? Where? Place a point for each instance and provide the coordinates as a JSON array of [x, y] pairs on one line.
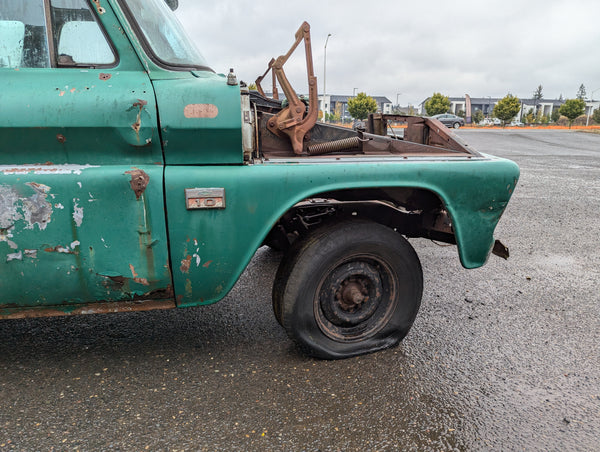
[[332, 104], [486, 105]]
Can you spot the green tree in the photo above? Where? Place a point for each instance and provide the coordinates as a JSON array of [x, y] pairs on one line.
[[581, 93], [477, 116], [572, 108], [537, 96], [555, 114], [539, 116], [360, 106], [596, 116], [507, 108], [332, 117], [437, 104], [529, 117]]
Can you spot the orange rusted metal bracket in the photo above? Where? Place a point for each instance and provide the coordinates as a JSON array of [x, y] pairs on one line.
[[261, 78], [294, 120]]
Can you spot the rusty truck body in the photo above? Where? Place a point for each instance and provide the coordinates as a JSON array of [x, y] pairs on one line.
[[134, 177]]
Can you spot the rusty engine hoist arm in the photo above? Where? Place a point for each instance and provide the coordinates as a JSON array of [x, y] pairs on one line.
[[294, 120], [261, 78]]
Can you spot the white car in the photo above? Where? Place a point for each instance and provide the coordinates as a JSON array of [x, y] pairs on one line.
[[491, 122]]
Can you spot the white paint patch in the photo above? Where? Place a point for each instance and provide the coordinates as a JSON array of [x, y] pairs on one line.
[[79, 183], [44, 169], [9, 213], [36, 209], [6, 236], [32, 254], [14, 257], [74, 244], [77, 213], [197, 257], [59, 206]]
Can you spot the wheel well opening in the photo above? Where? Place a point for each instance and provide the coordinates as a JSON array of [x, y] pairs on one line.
[[412, 212]]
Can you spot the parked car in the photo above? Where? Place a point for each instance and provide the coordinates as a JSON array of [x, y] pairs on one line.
[[516, 124], [450, 120]]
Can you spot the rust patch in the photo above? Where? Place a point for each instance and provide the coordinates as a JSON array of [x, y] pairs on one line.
[[185, 264], [139, 181], [201, 111], [61, 138], [99, 8], [119, 281], [104, 77], [207, 264], [137, 125], [136, 278], [157, 294], [92, 308]]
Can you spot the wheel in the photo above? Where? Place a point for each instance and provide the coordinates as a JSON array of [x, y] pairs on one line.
[[456, 125], [347, 289]]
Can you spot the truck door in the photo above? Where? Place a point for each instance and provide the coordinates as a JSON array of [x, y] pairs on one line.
[[81, 169]]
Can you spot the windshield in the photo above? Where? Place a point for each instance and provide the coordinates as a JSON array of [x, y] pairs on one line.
[[165, 35]]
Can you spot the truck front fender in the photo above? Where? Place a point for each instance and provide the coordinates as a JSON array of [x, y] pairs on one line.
[[211, 247]]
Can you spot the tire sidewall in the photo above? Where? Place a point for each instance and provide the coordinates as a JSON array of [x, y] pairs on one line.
[[332, 246]]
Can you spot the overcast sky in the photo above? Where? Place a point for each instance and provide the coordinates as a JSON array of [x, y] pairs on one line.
[[407, 50]]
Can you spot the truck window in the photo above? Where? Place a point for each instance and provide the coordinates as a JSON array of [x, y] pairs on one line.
[[79, 40], [23, 34], [164, 35]]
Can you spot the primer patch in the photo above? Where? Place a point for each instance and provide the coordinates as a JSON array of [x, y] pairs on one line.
[[201, 111]]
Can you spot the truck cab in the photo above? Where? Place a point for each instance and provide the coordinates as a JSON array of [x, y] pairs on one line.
[[135, 177]]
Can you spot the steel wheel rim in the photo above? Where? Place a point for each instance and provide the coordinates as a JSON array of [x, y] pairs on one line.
[[355, 299]]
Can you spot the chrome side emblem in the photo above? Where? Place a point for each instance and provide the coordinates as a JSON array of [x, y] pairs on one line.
[[204, 198]]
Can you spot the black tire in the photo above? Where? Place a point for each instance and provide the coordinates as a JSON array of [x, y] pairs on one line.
[[456, 125], [347, 289]]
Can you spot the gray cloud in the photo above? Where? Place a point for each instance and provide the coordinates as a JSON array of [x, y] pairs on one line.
[[414, 47]]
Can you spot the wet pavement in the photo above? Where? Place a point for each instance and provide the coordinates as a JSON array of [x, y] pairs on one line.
[[505, 357]]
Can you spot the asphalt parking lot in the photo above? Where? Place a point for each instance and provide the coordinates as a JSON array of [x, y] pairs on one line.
[[505, 357]]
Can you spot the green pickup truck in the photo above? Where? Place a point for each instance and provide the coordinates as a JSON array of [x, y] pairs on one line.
[[134, 177]]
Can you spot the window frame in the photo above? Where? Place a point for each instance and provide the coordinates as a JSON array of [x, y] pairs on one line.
[[148, 50], [53, 50]]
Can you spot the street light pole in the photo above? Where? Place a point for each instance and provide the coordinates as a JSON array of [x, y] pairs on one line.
[[325, 74]]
